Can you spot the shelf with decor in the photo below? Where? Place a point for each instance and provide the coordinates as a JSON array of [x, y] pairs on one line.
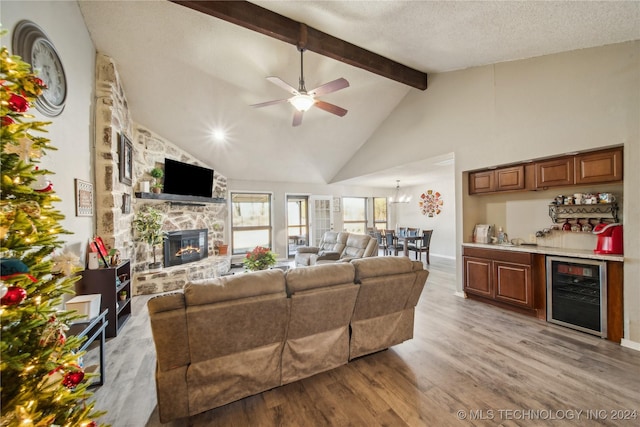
[[110, 283], [179, 198], [597, 210]]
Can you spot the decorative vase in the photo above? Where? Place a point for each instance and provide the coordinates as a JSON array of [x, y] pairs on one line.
[[222, 249], [144, 186]]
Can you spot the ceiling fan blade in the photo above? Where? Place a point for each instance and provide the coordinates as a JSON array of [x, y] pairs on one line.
[[333, 109], [297, 118], [284, 85], [333, 86], [266, 104]]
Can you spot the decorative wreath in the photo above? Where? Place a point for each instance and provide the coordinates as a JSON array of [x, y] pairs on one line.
[[430, 203]]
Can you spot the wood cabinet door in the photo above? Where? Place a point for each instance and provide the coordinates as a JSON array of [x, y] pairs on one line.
[[512, 283], [556, 172], [477, 276], [602, 166], [481, 182], [511, 178]]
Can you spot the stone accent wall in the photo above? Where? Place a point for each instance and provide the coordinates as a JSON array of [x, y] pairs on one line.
[[149, 150]]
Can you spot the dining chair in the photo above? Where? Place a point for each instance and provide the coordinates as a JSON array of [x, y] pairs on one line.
[[422, 245], [412, 232], [392, 243], [382, 243]]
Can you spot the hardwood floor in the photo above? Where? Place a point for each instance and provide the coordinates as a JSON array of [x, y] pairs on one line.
[[468, 364]]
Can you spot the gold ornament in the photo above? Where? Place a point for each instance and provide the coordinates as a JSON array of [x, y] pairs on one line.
[[24, 149]]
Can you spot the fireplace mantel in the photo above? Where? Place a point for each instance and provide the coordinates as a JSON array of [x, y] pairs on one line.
[[179, 198]]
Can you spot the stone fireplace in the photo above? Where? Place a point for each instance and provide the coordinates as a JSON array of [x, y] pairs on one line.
[[184, 246]]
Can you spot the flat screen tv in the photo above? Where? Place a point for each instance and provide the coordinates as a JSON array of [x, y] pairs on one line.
[[188, 180]]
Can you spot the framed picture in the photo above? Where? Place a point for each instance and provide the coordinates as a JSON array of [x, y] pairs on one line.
[[125, 149], [84, 198]]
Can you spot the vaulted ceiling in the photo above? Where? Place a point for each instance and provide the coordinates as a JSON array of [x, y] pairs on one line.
[[187, 74]]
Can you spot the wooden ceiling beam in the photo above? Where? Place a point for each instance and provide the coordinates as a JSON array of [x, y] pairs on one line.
[[264, 21]]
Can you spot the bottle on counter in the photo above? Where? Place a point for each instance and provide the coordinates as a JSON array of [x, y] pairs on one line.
[[501, 236]]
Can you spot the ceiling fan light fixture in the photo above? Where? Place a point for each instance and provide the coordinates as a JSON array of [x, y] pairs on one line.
[[302, 102]]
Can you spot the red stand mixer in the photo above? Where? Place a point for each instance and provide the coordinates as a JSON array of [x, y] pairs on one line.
[[609, 239]]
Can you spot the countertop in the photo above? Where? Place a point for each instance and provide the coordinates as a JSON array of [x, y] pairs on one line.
[[546, 250]]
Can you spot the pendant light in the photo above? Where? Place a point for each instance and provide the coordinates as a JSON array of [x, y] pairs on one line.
[[398, 197]]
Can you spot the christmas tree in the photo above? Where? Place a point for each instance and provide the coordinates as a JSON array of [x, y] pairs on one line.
[[43, 382]]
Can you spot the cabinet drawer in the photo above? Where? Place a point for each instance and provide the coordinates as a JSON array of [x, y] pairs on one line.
[[498, 255]]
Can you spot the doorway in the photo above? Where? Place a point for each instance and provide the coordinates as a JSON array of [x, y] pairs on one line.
[[297, 223]]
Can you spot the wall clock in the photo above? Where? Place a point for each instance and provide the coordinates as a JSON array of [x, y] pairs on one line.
[[32, 44]]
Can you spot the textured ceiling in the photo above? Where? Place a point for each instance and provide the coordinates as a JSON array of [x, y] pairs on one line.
[[186, 73]]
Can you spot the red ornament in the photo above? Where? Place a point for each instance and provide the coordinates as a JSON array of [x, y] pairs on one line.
[[15, 295], [18, 103], [72, 379], [92, 424], [6, 121], [38, 81]]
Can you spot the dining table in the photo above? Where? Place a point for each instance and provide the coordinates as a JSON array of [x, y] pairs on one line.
[[406, 241]]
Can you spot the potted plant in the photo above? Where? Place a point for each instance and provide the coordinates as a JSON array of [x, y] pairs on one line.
[[259, 258], [157, 174], [123, 295], [148, 224]]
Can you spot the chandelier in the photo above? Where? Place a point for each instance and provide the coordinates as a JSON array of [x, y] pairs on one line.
[[399, 198]]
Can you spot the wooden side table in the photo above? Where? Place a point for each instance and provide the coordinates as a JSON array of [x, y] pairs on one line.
[[94, 329]]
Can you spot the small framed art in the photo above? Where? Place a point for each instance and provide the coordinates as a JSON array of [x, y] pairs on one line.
[[126, 159], [84, 198]]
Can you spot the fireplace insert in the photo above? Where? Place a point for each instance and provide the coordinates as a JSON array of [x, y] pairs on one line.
[[181, 247]]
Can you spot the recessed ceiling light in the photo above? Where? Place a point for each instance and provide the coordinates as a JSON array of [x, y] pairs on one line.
[[219, 135]]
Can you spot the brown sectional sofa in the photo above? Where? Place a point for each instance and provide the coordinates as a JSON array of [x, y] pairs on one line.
[[227, 338]]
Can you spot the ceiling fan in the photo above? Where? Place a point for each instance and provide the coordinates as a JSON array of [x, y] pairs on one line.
[[302, 99]]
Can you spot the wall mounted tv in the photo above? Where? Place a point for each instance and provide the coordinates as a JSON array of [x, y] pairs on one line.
[[187, 180]]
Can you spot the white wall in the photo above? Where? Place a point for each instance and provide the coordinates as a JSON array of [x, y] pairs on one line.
[[520, 110], [71, 131], [443, 242]]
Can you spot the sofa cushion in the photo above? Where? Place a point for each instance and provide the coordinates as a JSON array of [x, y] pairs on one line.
[[233, 287], [318, 276], [381, 266]]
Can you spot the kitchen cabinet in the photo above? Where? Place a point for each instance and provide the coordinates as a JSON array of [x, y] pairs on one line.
[[512, 280], [502, 179], [599, 167], [511, 178], [482, 182], [596, 167], [555, 172]]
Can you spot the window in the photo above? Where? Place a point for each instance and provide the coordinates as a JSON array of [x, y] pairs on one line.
[[380, 213], [355, 214], [250, 221], [297, 223]]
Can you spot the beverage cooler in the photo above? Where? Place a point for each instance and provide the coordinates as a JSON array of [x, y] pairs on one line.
[[577, 294]]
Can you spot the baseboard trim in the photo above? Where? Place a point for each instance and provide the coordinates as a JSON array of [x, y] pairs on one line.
[[460, 294], [630, 344], [443, 256]]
